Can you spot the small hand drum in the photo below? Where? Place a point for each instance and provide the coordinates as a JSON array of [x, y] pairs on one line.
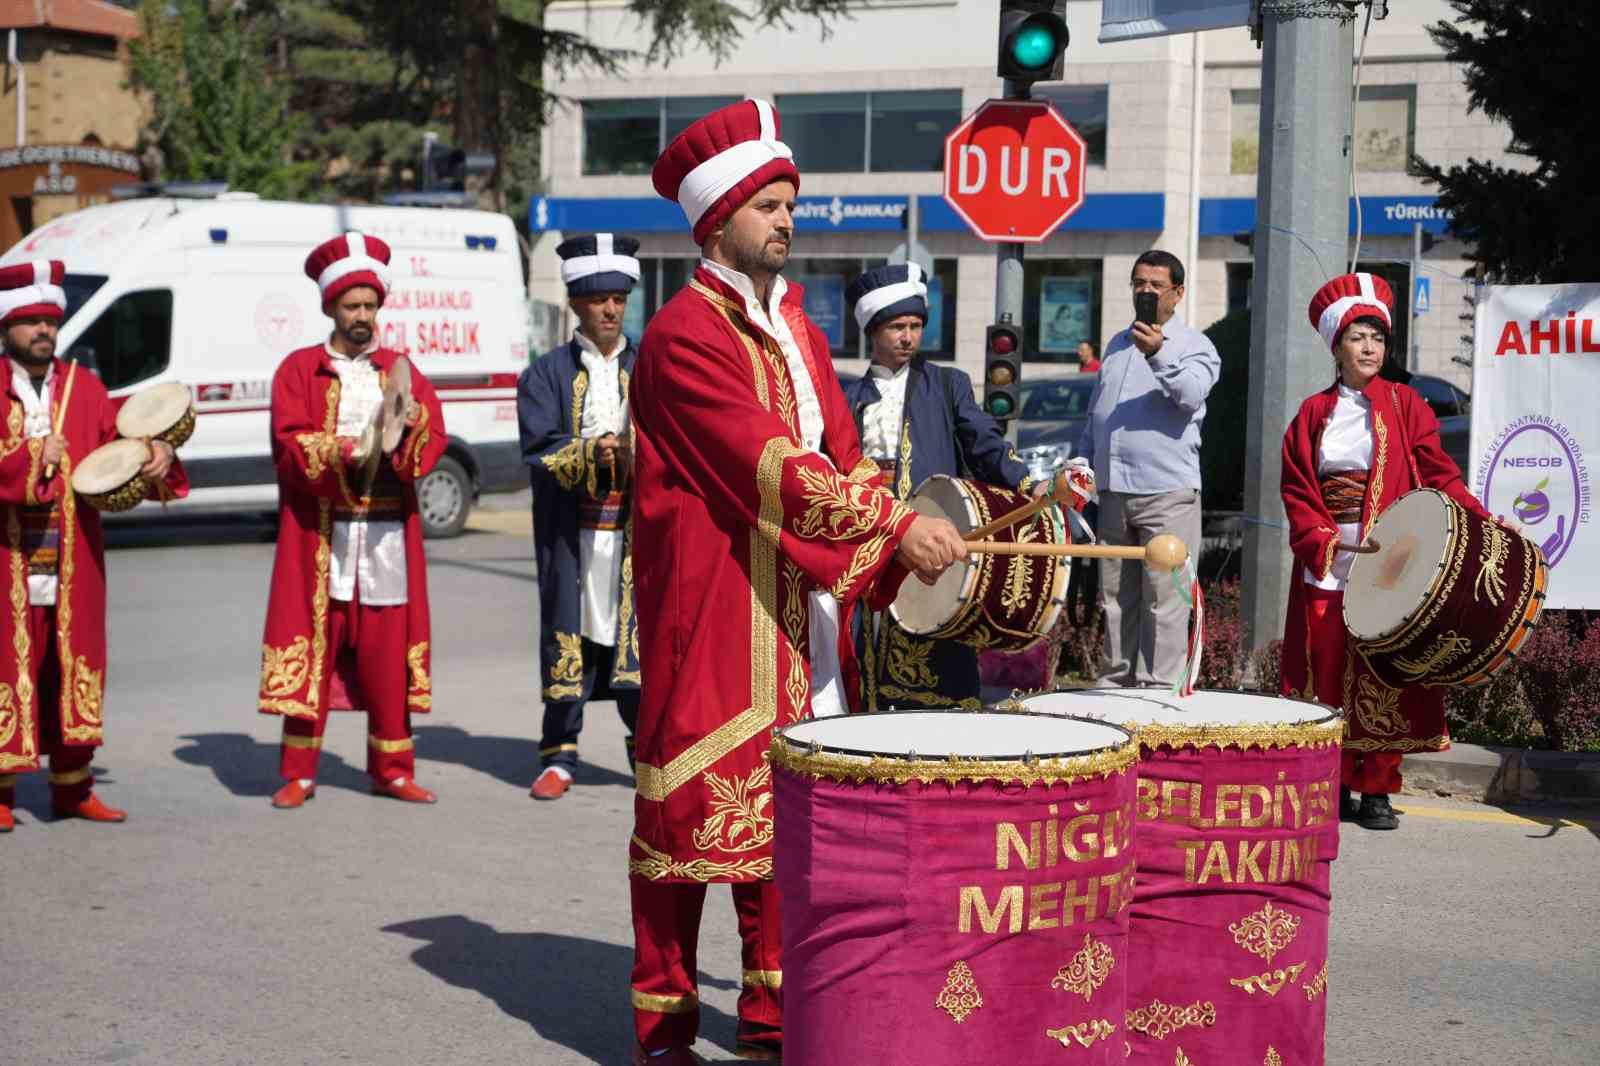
[[109, 479], [161, 412], [396, 398]]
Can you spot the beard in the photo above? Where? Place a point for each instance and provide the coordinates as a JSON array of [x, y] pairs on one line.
[[39, 352], [768, 257], [359, 334]]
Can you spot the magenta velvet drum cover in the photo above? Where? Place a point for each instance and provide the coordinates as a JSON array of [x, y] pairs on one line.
[[1238, 823], [955, 888]]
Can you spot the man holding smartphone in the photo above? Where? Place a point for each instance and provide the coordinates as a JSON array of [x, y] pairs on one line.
[[1143, 441]]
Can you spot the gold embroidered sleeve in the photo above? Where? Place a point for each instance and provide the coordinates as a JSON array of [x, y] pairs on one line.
[[566, 464], [1326, 566], [864, 471]]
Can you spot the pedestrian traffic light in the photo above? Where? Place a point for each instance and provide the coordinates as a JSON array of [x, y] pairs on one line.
[[1002, 370], [1033, 40]]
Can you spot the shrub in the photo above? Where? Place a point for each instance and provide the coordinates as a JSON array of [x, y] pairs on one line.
[[1222, 659], [1496, 713], [1557, 666], [1267, 667]]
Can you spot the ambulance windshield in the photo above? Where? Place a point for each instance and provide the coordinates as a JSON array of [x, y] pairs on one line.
[[79, 288]]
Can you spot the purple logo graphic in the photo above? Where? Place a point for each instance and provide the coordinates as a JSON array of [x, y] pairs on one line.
[[1535, 474]]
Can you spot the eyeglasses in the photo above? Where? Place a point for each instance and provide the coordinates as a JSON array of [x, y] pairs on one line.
[[1143, 284]]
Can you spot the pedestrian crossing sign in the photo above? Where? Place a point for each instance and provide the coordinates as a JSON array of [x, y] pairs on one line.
[[1422, 296]]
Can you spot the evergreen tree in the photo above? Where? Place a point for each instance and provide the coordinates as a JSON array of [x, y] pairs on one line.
[[1528, 64]]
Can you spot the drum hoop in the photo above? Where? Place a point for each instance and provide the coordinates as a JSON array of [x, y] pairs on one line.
[[856, 766], [1046, 623], [1318, 733], [1455, 544], [975, 514]]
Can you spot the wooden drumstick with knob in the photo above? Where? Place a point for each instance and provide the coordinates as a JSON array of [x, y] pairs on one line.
[[61, 411], [1371, 547], [1060, 493], [1164, 552]]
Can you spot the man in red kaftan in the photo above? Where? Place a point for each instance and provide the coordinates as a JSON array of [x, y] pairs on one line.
[[758, 523], [53, 630], [347, 618], [1352, 450]]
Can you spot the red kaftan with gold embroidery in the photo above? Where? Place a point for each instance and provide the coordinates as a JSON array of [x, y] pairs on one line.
[[296, 676], [735, 523], [90, 421], [1406, 455]]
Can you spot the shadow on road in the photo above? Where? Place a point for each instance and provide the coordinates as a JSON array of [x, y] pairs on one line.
[[190, 530], [514, 760], [524, 572], [248, 767], [572, 991], [33, 792]]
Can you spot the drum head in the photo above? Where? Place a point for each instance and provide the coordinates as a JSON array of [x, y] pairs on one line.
[[920, 608], [109, 467], [968, 734], [1136, 707], [155, 410], [1387, 587], [396, 396]]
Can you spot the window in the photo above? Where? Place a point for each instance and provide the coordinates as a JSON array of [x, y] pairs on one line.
[[1061, 308], [626, 136], [908, 129], [1385, 134], [79, 287], [131, 340], [877, 132], [1085, 107]]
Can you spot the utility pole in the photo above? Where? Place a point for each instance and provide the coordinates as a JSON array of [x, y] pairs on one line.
[[1008, 286], [1301, 240], [1415, 363]]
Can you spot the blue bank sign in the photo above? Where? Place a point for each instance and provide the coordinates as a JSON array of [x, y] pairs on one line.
[[1381, 216]]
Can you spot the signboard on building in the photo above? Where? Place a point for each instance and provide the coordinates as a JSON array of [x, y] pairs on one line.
[[39, 182], [1535, 374], [1127, 20]]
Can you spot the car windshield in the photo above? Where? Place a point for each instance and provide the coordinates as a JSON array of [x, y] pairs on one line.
[[79, 287], [1053, 400]]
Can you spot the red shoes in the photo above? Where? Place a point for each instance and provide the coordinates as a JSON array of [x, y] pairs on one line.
[[756, 1041], [7, 823], [552, 784], [678, 1056], [89, 808], [293, 795], [403, 788]]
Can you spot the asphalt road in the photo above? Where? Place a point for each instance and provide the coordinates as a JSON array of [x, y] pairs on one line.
[[490, 929]]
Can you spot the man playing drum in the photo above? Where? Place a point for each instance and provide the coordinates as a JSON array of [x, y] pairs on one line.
[[572, 412], [756, 525], [347, 617], [917, 419], [53, 416], [1352, 450]]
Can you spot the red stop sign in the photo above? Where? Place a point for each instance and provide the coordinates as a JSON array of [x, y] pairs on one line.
[[1013, 170]]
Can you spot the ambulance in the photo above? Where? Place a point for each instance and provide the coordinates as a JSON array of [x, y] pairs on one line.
[[211, 292]]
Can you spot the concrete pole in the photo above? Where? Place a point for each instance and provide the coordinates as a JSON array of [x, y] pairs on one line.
[[1415, 363], [1301, 240]]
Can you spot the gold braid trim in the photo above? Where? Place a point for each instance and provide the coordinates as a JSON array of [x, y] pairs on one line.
[[1266, 737], [863, 472], [1380, 430], [1438, 743], [648, 1001], [80, 704], [902, 487], [35, 453], [930, 699], [418, 442], [815, 764], [1326, 566], [657, 865], [14, 438], [21, 644]]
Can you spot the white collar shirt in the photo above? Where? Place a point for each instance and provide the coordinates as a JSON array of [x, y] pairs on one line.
[[604, 409], [369, 555], [1346, 447], [881, 422], [42, 588]]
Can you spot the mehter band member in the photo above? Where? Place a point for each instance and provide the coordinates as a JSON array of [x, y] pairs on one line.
[[53, 675], [347, 618], [572, 411], [757, 525], [1352, 450]]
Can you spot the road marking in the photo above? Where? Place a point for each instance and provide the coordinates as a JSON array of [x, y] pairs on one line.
[[1499, 817], [514, 523]]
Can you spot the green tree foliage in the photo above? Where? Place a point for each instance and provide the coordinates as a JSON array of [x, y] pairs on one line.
[[1530, 65], [217, 114]]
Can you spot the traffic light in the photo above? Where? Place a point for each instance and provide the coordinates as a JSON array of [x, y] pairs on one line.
[[446, 169], [1033, 40], [1002, 370]]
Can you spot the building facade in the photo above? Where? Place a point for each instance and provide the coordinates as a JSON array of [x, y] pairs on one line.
[[866, 108], [68, 124]]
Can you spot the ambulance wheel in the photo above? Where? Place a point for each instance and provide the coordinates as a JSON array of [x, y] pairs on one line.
[[444, 499]]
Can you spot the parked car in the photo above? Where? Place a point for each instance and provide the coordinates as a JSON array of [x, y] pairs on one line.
[[1453, 408], [1052, 416]]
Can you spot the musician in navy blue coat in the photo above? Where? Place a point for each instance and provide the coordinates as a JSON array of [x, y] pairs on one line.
[[572, 413], [916, 419]]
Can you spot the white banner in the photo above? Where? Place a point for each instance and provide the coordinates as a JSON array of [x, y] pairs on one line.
[[1127, 20], [1536, 424]]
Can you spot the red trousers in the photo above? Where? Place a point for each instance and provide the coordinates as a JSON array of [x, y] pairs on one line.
[[376, 639], [70, 779], [1325, 650], [666, 934]]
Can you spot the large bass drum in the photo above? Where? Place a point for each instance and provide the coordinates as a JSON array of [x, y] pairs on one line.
[[1447, 599], [1005, 602]]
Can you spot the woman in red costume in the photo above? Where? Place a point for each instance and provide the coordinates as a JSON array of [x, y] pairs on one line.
[[1353, 449]]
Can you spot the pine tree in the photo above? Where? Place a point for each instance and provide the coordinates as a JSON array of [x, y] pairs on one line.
[[1528, 64]]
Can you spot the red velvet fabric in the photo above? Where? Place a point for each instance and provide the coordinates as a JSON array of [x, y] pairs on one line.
[[879, 880], [1229, 927], [705, 138], [66, 760]]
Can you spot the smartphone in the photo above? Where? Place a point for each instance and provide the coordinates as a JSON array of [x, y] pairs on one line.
[[1144, 308]]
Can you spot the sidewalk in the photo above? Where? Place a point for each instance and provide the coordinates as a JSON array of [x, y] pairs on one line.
[[1505, 775]]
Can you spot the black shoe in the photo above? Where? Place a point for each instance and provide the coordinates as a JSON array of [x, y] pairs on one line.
[[1375, 813], [1349, 806]]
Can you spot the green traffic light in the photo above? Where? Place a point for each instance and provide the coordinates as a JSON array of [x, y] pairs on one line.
[[1000, 406], [1034, 47]]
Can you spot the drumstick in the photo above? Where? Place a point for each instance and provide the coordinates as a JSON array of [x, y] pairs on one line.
[[1060, 492], [1164, 552], [61, 411], [1369, 548]]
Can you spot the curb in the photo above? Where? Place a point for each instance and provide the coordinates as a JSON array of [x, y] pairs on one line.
[[1505, 775]]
